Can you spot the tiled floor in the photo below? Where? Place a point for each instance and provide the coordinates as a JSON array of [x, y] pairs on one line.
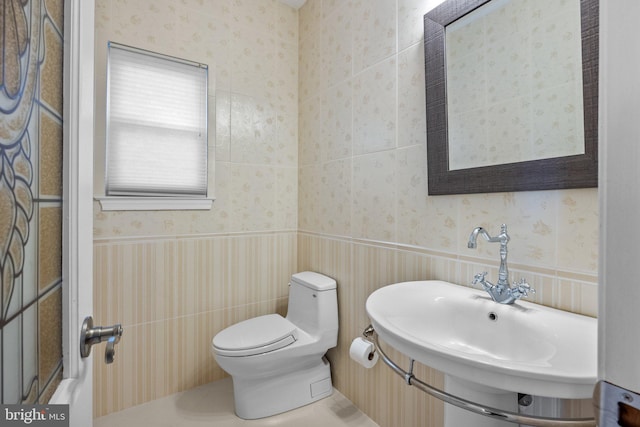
[[212, 405]]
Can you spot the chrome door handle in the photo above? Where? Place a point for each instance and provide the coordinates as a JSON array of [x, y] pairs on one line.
[[90, 335], [110, 352]]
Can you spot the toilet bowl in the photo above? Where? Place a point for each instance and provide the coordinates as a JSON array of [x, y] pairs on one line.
[[277, 363]]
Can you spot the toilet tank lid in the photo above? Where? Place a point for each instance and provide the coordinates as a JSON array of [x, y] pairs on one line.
[[313, 280]]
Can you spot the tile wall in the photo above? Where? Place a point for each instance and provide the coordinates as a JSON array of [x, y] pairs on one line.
[[175, 278], [172, 295], [364, 214]]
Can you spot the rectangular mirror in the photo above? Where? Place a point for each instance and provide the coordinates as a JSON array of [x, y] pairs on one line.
[[512, 95]]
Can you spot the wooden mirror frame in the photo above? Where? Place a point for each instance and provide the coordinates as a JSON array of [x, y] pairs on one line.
[[578, 171]]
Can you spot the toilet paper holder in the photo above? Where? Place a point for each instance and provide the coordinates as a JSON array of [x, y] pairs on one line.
[[369, 333], [363, 351]]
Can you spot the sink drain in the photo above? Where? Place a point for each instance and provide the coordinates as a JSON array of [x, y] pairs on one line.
[[493, 316]]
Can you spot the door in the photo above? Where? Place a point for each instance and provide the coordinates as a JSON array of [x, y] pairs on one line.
[[618, 394], [38, 198], [76, 387]]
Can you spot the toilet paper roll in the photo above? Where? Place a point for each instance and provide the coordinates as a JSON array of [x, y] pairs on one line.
[[363, 352]]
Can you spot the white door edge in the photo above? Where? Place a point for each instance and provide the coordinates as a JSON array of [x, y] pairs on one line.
[[76, 388]]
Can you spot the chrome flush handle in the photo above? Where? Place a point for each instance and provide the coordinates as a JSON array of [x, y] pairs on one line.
[[90, 335]]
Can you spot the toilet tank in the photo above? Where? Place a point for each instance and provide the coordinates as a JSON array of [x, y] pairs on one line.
[[313, 305]]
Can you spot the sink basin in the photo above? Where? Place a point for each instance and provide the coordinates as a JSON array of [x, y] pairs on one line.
[[523, 348]]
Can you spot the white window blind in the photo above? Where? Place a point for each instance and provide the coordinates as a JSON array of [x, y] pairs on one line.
[[156, 125]]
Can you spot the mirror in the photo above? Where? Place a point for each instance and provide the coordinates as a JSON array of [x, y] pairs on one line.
[[530, 125]]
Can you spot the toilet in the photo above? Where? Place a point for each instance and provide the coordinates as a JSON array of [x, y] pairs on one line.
[[277, 363]]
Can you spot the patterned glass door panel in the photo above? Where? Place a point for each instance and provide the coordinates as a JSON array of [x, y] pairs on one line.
[[31, 43]]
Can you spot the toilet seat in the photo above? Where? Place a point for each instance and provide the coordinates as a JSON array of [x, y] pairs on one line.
[[255, 336]]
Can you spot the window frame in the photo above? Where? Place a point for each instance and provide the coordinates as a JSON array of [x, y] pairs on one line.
[[110, 202]]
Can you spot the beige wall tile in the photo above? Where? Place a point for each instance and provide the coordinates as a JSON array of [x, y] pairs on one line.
[[578, 230], [253, 60], [310, 19], [258, 15], [286, 198], [412, 123], [311, 132], [309, 204], [422, 221], [310, 65], [337, 122], [254, 122], [375, 108], [337, 42], [335, 198], [374, 32], [287, 23], [374, 213], [411, 21]]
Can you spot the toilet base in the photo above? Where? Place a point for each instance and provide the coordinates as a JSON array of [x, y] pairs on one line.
[[263, 397]]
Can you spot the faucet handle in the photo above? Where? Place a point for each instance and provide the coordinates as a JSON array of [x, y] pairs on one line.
[[479, 278], [522, 289]]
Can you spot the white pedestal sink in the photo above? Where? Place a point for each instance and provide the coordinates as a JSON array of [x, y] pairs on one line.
[[519, 348]]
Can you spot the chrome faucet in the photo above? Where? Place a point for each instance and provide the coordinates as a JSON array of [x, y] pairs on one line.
[[500, 292]]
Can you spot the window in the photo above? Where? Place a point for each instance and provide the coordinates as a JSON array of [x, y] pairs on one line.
[[156, 125]]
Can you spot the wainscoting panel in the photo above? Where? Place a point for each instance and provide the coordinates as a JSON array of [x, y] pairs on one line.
[[172, 295]]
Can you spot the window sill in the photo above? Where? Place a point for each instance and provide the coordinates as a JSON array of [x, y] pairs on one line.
[[112, 203]]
